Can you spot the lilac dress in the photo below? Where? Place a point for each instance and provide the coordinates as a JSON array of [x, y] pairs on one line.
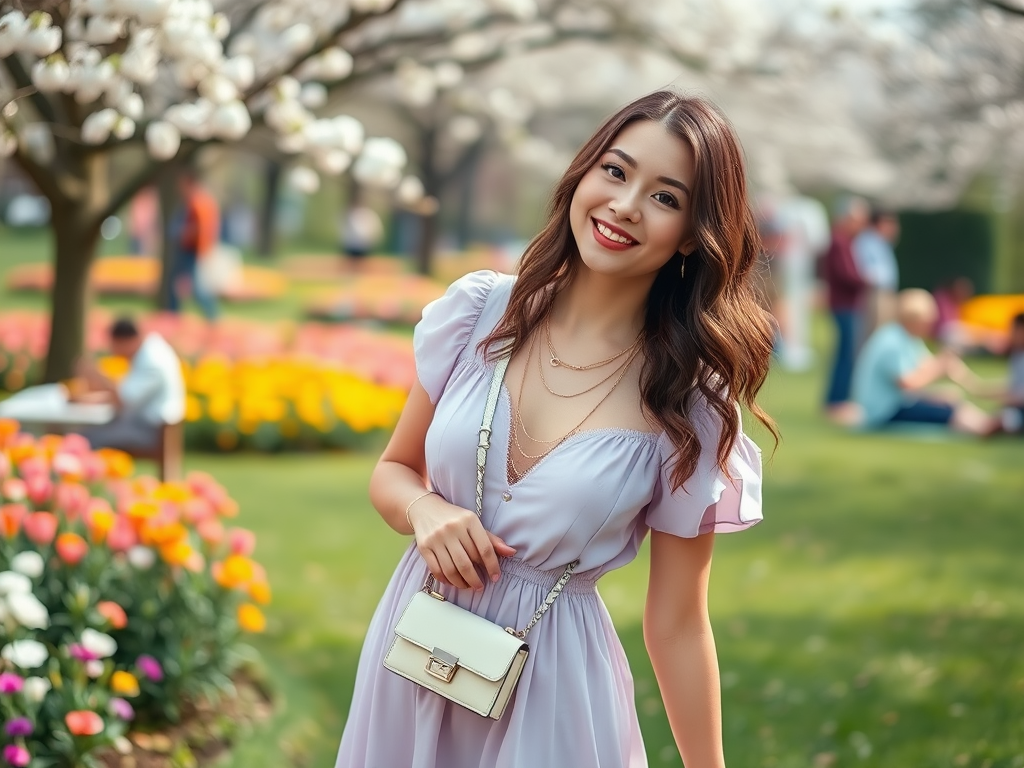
[[593, 498]]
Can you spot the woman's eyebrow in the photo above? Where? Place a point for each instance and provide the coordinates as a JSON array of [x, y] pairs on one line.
[[663, 179]]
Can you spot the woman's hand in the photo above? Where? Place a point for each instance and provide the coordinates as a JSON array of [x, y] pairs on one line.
[[453, 542]]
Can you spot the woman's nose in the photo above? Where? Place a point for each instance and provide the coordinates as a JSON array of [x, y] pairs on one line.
[[626, 206]]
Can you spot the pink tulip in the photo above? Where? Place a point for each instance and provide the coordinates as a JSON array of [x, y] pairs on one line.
[[93, 467], [40, 527], [67, 464], [5, 466], [17, 756], [75, 444], [211, 531], [241, 541], [72, 499], [122, 536], [40, 489], [33, 467], [196, 510]]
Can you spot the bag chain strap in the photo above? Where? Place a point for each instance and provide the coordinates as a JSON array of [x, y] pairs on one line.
[[481, 463]]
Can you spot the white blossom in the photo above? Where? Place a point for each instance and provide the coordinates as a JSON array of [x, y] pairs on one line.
[[35, 689], [240, 70], [28, 611], [335, 64], [313, 95], [132, 106], [333, 161], [96, 127], [230, 121], [51, 74], [448, 74], [162, 140], [151, 12], [41, 37], [465, 129], [220, 26], [350, 133], [380, 163], [124, 128], [26, 654], [14, 583], [28, 563], [410, 191], [13, 27], [103, 30], [304, 179], [298, 38], [218, 89], [98, 643]]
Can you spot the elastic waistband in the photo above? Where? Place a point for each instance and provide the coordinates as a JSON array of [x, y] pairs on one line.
[[581, 583]]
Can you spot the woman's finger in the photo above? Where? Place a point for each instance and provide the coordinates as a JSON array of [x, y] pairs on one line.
[[450, 570], [486, 554], [464, 563], [433, 566]]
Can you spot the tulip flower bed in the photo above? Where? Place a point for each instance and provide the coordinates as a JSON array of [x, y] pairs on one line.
[[392, 298], [140, 276], [122, 603]]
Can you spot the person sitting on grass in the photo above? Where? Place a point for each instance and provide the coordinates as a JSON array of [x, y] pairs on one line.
[[150, 395], [895, 370], [1013, 400]]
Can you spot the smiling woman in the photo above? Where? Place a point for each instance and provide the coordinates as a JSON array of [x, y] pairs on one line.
[[613, 375]]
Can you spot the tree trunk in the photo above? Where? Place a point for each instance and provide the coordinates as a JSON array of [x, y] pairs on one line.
[[431, 186], [425, 244], [167, 189], [267, 234], [76, 239], [467, 196]]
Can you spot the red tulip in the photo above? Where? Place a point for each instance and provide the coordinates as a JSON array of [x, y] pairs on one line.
[[71, 548], [41, 527], [39, 489]]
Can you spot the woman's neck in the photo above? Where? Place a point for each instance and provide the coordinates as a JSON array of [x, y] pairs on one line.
[[599, 306]]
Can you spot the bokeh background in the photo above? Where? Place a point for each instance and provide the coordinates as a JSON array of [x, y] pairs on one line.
[[873, 619]]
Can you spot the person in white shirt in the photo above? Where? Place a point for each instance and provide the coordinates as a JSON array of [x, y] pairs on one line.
[[151, 395]]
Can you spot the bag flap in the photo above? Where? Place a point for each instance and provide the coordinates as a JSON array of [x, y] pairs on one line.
[[481, 646]]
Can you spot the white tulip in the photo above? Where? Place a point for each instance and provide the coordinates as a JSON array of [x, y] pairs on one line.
[[304, 179], [335, 64], [231, 121], [240, 70], [350, 133], [162, 140], [13, 28], [410, 191], [29, 563], [51, 74], [124, 128], [103, 30], [13, 583], [26, 609], [35, 689], [448, 74], [333, 162], [218, 89], [313, 95], [96, 127], [141, 557], [26, 654], [98, 643]]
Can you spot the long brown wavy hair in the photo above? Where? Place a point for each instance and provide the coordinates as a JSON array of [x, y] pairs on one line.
[[705, 334]]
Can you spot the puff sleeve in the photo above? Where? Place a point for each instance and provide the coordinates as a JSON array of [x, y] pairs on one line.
[[709, 500], [440, 337]]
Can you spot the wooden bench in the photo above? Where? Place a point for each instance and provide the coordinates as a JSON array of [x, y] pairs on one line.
[[167, 454]]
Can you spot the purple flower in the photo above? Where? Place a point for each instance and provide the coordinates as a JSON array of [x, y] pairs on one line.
[[16, 755], [120, 708], [81, 653], [10, 683], [19, 726], [150, 667]]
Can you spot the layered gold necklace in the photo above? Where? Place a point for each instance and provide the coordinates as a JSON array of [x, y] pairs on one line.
[[514, 472]]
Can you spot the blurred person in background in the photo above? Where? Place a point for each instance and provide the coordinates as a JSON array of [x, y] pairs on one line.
[[143, 224], [195, 232], [845, 294], [895, 371], [876, 263], [1013, 401], [361, 231], [950, 298], [150, 395]]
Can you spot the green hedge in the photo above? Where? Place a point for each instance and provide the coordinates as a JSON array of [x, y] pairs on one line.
[[936, 247]]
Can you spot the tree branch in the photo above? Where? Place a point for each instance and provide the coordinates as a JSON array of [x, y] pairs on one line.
[[1006, 7], [22, 80], [43, 178], [150, 170]]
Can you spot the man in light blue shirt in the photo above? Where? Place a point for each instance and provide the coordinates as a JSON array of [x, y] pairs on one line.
[[876, 262], [895, 368]]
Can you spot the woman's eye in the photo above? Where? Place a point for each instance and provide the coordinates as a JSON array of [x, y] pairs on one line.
[[613, 170], [666, 199]]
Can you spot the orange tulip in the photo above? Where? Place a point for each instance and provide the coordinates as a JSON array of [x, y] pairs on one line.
[[235, 571], [259, 591], [113, 613], [82, 722], [41, 527], [11, 516], [100, 523], [250, 618], [71, 548], [8, 429], [176, 553]]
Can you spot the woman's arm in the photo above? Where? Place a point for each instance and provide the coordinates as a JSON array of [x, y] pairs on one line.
[[451, 539], [679, 640]]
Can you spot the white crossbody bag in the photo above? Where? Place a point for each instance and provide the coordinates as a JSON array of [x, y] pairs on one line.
[[451, 651]]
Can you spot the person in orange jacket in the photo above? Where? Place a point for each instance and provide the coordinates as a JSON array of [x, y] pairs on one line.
[[195, 231]]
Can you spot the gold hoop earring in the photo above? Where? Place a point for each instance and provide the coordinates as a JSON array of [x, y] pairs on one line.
[[682, 269]]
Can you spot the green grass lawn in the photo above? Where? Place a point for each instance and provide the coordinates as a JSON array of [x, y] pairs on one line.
[[876, 617]]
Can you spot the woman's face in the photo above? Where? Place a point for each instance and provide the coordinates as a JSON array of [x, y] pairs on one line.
[[631, 210]]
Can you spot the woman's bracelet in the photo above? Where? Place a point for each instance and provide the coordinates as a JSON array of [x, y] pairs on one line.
[[409, 507]]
